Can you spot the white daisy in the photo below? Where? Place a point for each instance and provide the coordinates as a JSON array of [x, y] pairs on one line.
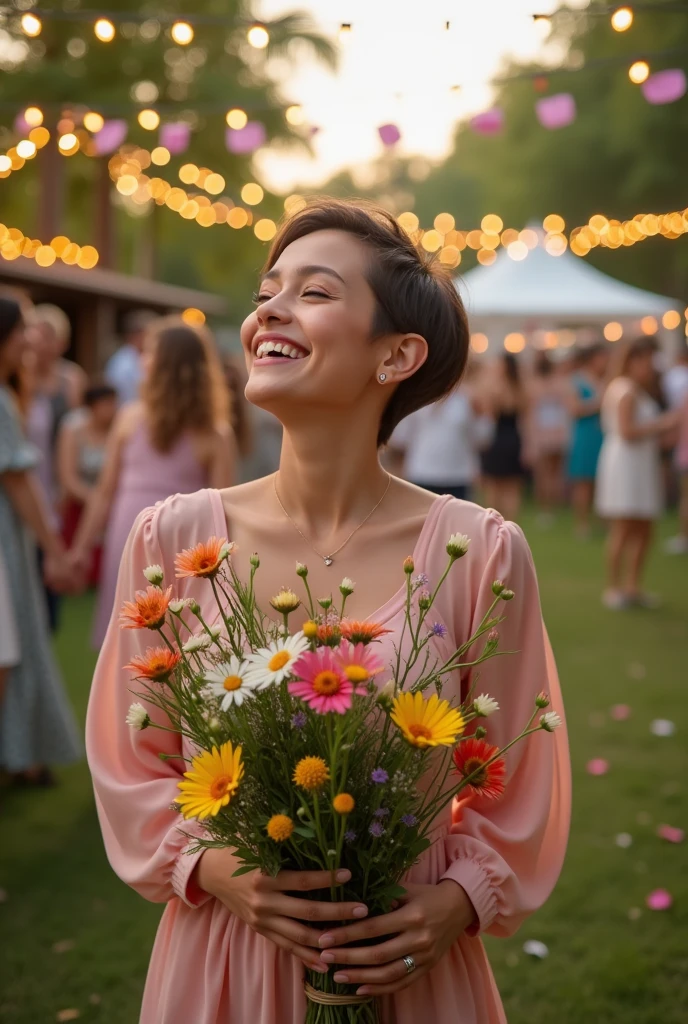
[[154, 574], [178, 606], [274, 663], [485, 705], [550, 721], [227, 549], [457, 545], [137, 716], [228, 680], [215, 631], [198, 642]]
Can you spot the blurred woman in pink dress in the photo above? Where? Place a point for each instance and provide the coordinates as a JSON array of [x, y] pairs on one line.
[[176, 439], [353, 331]]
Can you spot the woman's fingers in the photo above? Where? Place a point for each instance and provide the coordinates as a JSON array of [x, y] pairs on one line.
[[382, 953], [294, 932], [385, 924], [309, 957], [305, 881], [310, 910], [394, 974], [392, 986]]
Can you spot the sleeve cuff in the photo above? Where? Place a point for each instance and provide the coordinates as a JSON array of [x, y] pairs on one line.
[[475, 880], [185, 887]]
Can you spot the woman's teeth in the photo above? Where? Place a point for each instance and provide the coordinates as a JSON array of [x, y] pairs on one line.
[[268, 348]]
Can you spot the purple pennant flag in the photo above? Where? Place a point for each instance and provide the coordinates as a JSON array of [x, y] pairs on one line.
[[665, 86], [246, 139], [490, 122], [175, 136], [110, 136], [389, 133], [556, 111]]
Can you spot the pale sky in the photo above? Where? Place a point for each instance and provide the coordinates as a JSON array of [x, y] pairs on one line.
[[398, 65]]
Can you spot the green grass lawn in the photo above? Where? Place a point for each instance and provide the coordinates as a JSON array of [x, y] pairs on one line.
[[604, 965]]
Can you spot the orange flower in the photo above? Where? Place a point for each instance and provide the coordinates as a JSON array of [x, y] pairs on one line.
[[472, 757], [204, 560], [147, 610], [359, 632], [329, 634], [157, 664]]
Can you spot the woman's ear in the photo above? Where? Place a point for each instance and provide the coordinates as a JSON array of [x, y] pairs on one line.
[[406, 356]]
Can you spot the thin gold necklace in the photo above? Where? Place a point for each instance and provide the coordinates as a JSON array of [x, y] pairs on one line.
[[329, 559]]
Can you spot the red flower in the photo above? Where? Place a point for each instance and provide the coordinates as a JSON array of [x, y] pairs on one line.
[[147, 610], [157, 664], [359, 632], [471, 755]]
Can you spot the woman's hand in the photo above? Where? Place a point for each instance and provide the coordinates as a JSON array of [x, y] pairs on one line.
[[262, 903], [425, 927]]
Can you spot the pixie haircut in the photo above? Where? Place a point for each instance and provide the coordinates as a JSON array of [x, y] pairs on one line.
[[413, 295]]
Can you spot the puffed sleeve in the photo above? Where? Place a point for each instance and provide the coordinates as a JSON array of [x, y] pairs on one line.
[[508, 854], [133, 786], [16, 453]]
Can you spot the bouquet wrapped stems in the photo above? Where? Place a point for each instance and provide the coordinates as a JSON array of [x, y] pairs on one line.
[[310, 751]]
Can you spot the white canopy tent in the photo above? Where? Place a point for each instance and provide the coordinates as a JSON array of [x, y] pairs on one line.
[[542, 293]]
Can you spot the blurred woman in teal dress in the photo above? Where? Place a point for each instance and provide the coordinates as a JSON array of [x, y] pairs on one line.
[[587, 388]]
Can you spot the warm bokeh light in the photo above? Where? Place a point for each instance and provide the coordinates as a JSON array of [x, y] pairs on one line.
[[59, 244], [508, 236], [554, 223], [206, 217], [45, 256], [431, 241], [514, 342], [189, 210], [182, 33], [486, 257], [265, 229], [93, 121], [294, 204], [517, 250], [671, 319], [639, 72], [39, 136], [252, 194], [127, 184], [5, 164], [188, 173], [26, 149], [68, 143], [450, 256], [598, 223], [555, 244], [88, 257], [649, 325], [295, 114], [104, 30], [529, 237], [489, 241], [479, 343], [160, 156], [149, 119], [474, 239], [214, 184], [193, 317], [622, 19], [33, 116], [236, 118], [238, 217], [613, 331], [492, 224], [444, 222], [258, 36], [408, 221], [31, 25]]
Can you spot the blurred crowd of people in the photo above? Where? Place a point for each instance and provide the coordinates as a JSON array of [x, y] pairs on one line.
[[80, 458], [604, 429]]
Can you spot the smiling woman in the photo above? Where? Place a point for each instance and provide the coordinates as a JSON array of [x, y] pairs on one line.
[[353, 329]]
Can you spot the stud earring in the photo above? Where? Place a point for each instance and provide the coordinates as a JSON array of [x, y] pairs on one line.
[[382, 377]]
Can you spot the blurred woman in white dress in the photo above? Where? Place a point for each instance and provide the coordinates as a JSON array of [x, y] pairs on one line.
[[629, 491]]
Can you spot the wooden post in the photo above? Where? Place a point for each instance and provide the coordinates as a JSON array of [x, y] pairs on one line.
[[51, 189], [105, 223]]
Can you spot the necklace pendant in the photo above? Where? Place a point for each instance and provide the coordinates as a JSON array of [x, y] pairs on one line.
[[328, 560]]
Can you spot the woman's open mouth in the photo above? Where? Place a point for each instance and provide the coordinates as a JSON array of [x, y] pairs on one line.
[[278, 352]]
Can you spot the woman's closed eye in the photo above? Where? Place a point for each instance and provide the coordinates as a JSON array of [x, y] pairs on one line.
[[257, 298]]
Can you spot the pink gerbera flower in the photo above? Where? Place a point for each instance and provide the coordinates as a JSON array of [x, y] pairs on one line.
[[358, 662], [322, 682]]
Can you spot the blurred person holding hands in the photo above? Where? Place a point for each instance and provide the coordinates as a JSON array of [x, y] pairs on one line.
[[547, 432], [584, 403], [37, 728], [176, 439]]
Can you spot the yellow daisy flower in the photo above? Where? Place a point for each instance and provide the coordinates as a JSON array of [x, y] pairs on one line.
[[212, 781], [427, 723]]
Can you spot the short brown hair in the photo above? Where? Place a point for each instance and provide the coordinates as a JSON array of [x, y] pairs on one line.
[[184, 388], [629, 350], [414, 294]]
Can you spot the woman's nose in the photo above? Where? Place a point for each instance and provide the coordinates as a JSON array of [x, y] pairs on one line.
[[272, 309]]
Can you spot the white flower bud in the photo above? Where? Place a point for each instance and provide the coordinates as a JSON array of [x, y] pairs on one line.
[[457, 545], [178, 606], [550, 721], [199, 642], [301, 570], [154, 574], [346, 587], [485, 705], [137, 716], [227, 549]]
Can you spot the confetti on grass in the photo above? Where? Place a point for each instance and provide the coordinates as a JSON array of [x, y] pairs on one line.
[[671, 834], [598, 766], [620, 712], [624, 840], [533, 947], [662, 727], [659, 899]]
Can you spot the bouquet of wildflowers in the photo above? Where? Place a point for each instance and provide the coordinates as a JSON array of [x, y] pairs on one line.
[[312, 752]]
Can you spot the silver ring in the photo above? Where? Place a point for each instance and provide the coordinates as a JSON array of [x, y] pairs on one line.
[[409, 964]]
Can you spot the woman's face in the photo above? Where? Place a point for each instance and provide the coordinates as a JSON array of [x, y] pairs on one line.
[[12, 350], [641, 368], [317, 302], [104, 411]]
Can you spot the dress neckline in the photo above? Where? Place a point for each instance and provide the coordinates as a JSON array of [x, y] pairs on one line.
[[395, 603]]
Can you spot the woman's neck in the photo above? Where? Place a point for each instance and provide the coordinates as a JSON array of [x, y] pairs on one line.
[[330, 474]]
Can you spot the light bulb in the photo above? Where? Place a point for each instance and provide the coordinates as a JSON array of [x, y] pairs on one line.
[[639, 72], [33, 116], [258, 36], [182, 33], [31, 25], [622, 19], [93, 121], [104, 30], [149, 119]]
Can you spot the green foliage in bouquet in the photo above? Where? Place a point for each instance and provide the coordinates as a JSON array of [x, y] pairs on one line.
[[305, 761]]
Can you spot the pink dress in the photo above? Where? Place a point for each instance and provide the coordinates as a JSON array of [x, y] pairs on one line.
[[207, 966], [147, 476]]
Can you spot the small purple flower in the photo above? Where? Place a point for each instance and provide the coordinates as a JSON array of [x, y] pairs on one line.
[[438, 629], [409, 820], [493, 636], [350, 836], [299, 719], [379, 776], [421, 580], [381, 812], [376, 829]]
